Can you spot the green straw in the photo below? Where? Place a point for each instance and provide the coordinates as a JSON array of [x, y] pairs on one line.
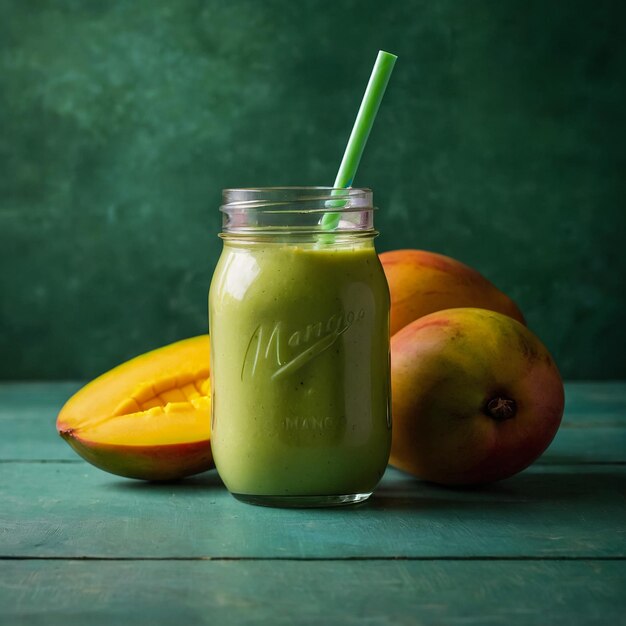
[[360, 131]]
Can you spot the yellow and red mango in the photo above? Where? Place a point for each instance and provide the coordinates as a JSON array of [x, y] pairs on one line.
[[423, 282], [476, 397], [148, 418]]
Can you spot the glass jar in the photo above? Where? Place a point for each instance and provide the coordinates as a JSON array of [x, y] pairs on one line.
[[299, 324]]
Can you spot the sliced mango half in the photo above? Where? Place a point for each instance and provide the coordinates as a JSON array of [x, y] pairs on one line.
[[149, 418]]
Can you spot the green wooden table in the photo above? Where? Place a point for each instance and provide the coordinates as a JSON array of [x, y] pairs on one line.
[[79, 546]]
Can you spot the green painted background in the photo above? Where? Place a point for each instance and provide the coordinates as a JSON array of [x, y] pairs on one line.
[[501, 142]]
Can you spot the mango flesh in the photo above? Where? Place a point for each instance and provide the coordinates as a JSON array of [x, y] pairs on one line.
[[148, 418], [422, 282], [476, 397]]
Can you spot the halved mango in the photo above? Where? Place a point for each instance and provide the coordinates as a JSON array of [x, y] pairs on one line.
[[148, 418]]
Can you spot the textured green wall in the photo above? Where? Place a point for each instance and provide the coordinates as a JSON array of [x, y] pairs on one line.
[[501, 142]]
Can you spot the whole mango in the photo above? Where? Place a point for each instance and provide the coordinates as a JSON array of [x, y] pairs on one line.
[[423, 282], [476, 397]]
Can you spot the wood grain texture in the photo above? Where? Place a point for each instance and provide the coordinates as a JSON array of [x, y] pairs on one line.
[[28, 412], [74, 510], [79, 546], [373, 593]]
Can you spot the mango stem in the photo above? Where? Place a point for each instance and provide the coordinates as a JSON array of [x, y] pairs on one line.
[[500, 408]]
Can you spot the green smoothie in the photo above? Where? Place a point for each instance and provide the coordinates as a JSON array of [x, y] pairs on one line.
[[300, 368]]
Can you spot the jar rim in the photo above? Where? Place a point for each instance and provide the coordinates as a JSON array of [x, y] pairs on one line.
[[297, 210], [344, 189], [306, 198]]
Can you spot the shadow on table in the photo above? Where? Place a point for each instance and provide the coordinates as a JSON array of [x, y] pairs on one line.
[[558, 488], [402, 492], [202, 482]]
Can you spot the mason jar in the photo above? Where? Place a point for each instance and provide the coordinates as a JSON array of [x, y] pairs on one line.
[[299, 325]]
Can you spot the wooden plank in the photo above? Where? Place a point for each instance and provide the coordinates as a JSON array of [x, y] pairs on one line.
[[26, 395], [584, 446], [28, 414], [593, 430], [601, 403], [284, 593], [71, 510], [32, 438]]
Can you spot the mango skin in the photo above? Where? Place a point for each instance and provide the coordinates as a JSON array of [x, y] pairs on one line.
[[423, 282], [99, 400], [153, 463], [445, 367]]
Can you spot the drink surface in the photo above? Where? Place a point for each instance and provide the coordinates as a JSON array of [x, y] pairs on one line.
[[300, 369]]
